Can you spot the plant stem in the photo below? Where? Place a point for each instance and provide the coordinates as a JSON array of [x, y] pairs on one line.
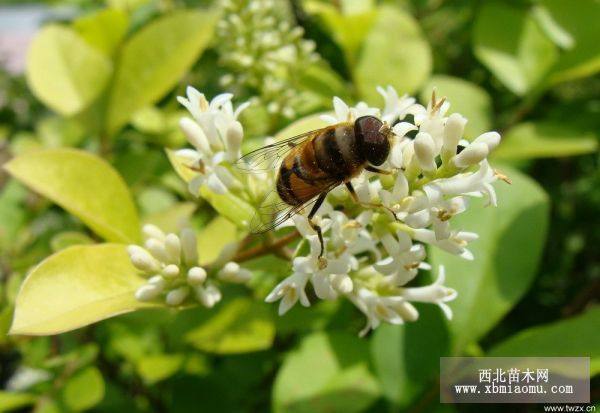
[[276, 247]]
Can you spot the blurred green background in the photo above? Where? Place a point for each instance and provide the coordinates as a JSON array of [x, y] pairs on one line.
[[103, 76]]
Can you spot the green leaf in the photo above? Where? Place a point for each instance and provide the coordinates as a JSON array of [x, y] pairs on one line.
[[214, 238], [239, 326], [406, 357], [154, 59], [84, 390], [348, 31], [76, 287], [229, 205], [65, 72], [172, 219], [104, 29], [580, 20], [12, 214], [67, 239], [158, 367], [394, 53], [545, 139], [556, 340], [83, 184], [509, 42], [323, 81], [466, 98], [13, 401], [329, 372], [507, 254]]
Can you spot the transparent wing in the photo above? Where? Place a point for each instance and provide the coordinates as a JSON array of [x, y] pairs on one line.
[[268, 157], [273, 212]]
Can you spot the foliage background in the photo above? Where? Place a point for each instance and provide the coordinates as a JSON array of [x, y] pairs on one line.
[[103, 77]]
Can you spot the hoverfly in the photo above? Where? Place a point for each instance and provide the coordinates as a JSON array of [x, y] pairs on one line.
[[315, 162]]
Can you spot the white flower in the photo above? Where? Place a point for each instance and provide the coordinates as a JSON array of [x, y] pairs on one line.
[[216, 136], [391, 309], [399, 142], [289, 291], [435, 293], [432, 120], [344, 113], [395, 107], [26, 377], [472, 183], [455, 243], [403, 261], [352, 235]]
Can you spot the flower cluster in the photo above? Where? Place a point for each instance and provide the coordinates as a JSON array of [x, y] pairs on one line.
[[262, 49], [216, 136], [371, 255], [374, 249], [171, 264]]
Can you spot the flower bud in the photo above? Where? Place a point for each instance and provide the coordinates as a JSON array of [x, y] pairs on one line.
[[491, 139], [196, 275], [232, 272], [177, 296], [425, 151], [233, 137], [157, 249], [142, 260], [407, 311], [189, 246], [208, 296], [171, 271], [148, 292], [158, 281], [342, 283], [173, 248], [471, 155], [152, 231], [453, 131], [195, 135]]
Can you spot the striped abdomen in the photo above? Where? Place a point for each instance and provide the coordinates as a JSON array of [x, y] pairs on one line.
[[325, 160]]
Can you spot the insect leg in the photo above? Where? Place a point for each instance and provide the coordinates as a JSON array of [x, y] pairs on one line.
[[314, 226], [377, 170], [367, 204]]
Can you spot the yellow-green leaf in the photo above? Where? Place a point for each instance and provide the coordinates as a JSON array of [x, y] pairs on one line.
[[507, 254], [83, 184], [556, 340], [158, 367], [103, 29], [172, 219], [240, 326], [76, 287], [64, 71], [520, 57], [545, 140], [154, 59], [12, 401], [580, 20], [84, 389], [395, 53], [214, 237], [327, 373]]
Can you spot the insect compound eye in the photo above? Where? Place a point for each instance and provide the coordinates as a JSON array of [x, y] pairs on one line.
[[374, 145]]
